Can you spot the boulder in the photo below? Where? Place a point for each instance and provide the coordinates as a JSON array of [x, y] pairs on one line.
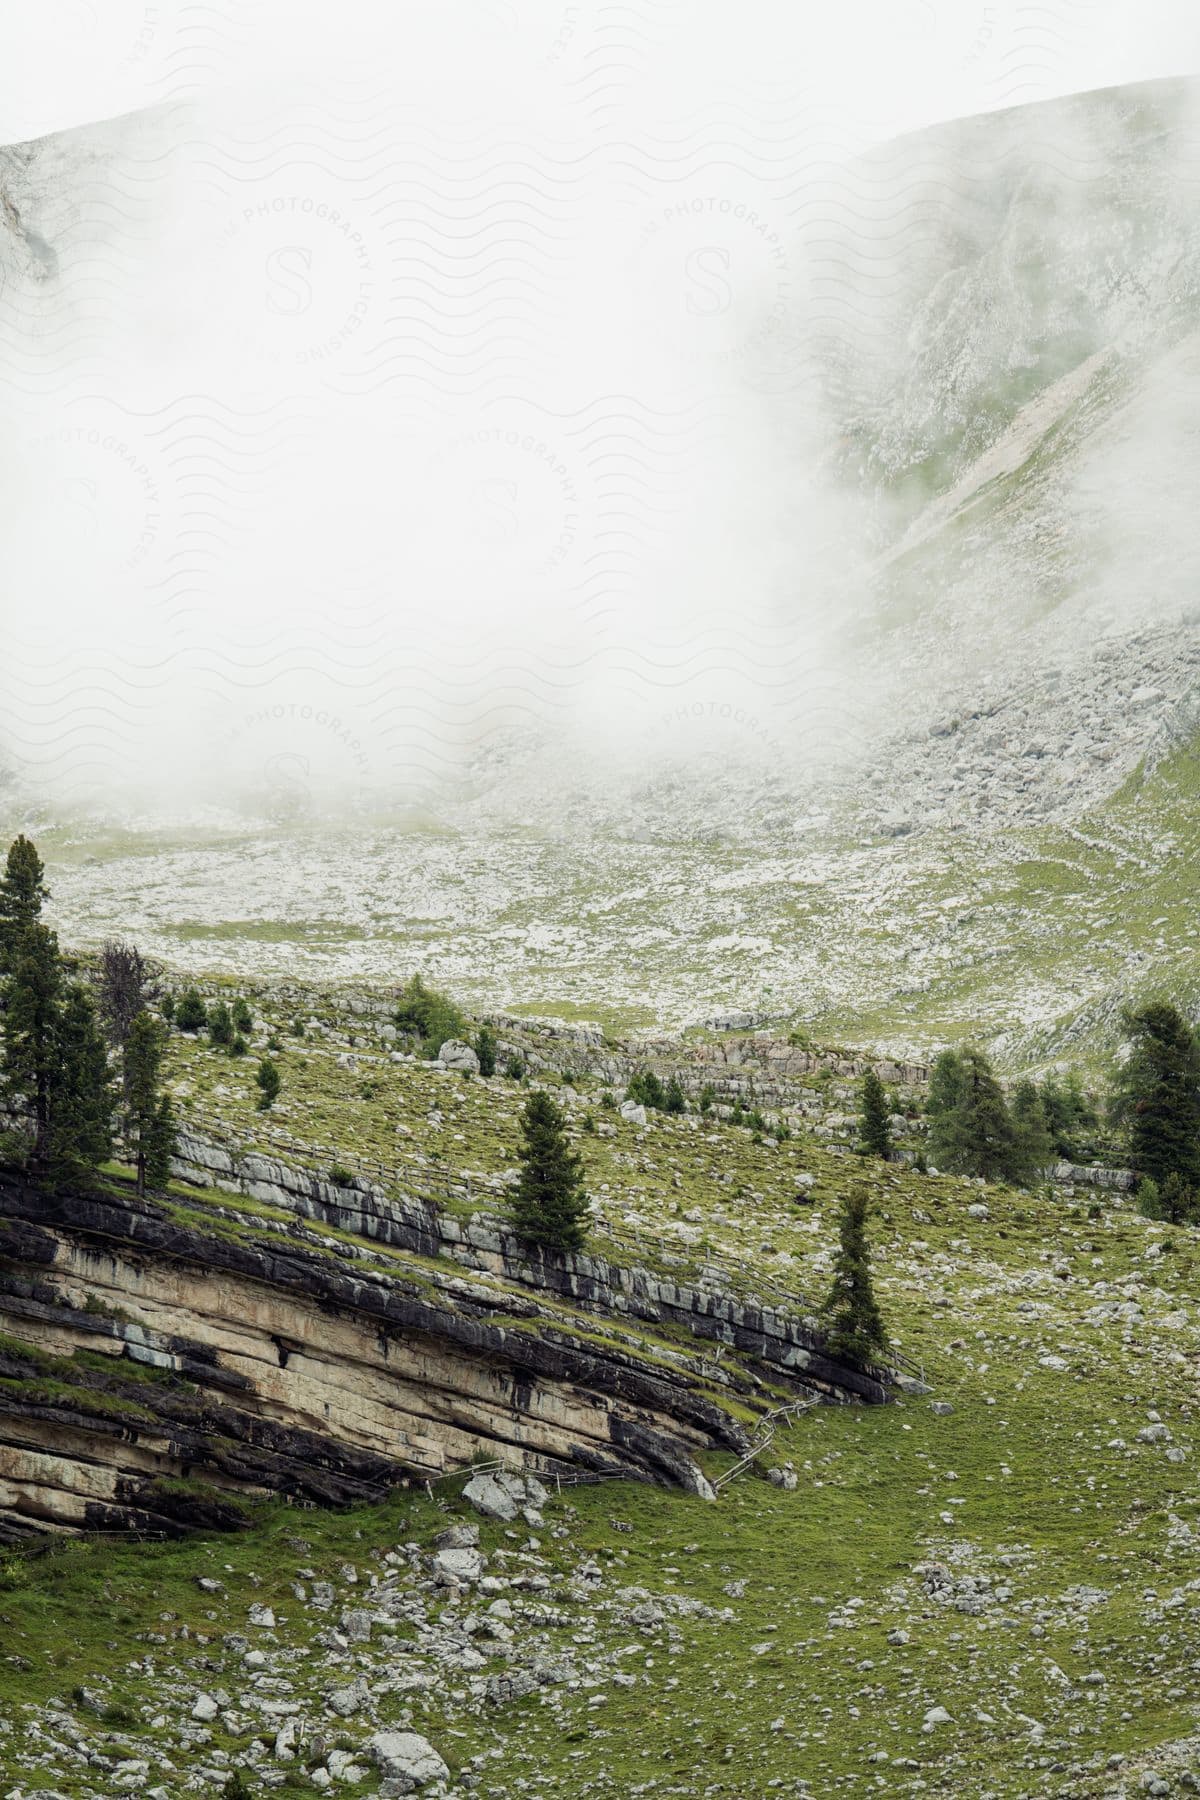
[[505, 1495], [457, 1537], [454, 1054], [464, 1565], [633, 1113], [346, 1701], [406, 1756]]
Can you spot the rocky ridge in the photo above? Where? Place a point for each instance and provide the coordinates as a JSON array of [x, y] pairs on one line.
[[295, 1362]]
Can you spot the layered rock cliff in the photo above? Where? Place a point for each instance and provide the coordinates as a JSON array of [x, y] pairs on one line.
[[163, 1361]]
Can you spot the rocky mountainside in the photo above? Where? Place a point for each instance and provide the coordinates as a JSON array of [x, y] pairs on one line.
[[987, 1586]]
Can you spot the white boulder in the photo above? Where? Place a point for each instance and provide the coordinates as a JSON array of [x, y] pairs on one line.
[[461, 1565], [505, 1494], [404, 1755]]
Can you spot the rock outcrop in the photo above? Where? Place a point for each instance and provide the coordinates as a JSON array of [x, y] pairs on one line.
[[160, 1364]]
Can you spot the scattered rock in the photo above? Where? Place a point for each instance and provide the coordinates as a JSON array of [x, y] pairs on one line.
[[405, 1756]]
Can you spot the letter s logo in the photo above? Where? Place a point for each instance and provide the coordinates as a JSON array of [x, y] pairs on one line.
[[289, 290], [706, 269]]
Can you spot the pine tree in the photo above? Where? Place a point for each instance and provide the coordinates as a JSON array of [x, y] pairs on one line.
[[1178, 1201], [485, 1050], [1034, 1148], [945, 1084], [1149, 1200], [1071, 1116], [83, 1097], [945, 1087], [143, 1071], [853, 1325], [873, 1117], [160, 1146], [646, 1089], [269, 1084], [191, 1013], [32, 999], [220, 1024], [22, 891], [1157, 1095], [674, 1098], [549, 1205], [976, 1136]]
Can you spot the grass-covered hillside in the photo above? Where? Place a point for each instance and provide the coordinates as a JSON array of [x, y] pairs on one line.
[[992, 1590]]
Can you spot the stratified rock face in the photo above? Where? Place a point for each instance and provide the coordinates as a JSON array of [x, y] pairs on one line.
[[788, 1347], [242, 1367]]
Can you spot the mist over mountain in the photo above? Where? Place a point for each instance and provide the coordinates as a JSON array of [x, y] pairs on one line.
[[881, 565]]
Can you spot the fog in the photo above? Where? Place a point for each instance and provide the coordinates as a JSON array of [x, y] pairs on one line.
[[388, 400]]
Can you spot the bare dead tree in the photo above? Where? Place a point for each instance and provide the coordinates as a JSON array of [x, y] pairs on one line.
[[128, 985]]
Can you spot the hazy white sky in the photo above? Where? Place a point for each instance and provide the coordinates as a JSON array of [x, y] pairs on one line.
[[395, 378], [884, 65]]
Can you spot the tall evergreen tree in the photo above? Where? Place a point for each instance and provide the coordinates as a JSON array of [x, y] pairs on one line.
[[160, 1145], [549, 1205], [220, 1024], [945, 1087], [1071, 1116], [853, 1325], [32, 994], [876, 1132], [1034, 1147], [143, 1096], [22, 891], [485, 1050], [1180, 1204], [1157, 1094], [976, 1136], [54, 1065], [83, 1097]]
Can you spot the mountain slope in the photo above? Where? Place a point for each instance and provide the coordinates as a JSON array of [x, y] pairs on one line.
[[990, 1590]]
